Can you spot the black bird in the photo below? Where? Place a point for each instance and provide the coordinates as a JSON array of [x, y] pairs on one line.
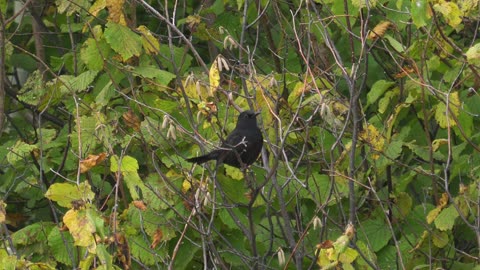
[[241, 147]]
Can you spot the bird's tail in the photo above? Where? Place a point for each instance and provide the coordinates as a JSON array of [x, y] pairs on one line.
[[202, 159]]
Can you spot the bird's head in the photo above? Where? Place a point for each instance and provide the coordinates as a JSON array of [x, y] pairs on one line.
[[248, 114], [247, 119]]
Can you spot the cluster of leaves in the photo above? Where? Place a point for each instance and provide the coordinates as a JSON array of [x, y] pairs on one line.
[[368, 109]]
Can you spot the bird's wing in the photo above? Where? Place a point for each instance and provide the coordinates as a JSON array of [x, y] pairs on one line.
[[235, 140]]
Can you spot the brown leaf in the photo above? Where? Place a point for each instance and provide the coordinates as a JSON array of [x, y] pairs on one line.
[[15, 219], [131, 120], [405, 71], [140, 205], [157, 238], [91, 161], [326, 244], [123, 251]]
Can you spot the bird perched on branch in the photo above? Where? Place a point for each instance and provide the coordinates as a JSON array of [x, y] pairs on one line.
[[240, 148]]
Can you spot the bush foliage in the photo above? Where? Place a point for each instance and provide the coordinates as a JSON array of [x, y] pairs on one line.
[[369, 110]]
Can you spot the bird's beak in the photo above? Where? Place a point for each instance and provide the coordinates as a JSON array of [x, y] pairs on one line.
[[257, 113]]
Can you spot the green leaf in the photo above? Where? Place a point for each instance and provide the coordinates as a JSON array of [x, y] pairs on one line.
[[46, 136], [394, 149], [403, 203], [167, 106], [127, 164], [227, 219], [24, 61], [185, 255], [159, 197], [72, 6], [178, 55], [162, 77], [378, 89], [94, 52], [363, 3], [446, 219], [80, 83], [466, 121], [420, 14], [123, 40], [97, 220], [65, 193], [440, 239], [395, 44], [19, 152], [106, 94], [106, 258], [31, 234], [33, 89], [128, 167], [60, 244], [384, 102], [375, 232], [367, 254], [141, 250], [87, 132]]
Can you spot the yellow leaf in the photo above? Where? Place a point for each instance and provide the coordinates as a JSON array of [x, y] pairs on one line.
[[81, 228], [468, 6], [372, 136], [443, 200], [214, 77], [234, 173], [420, 241], [186, 185], [341, 244], [379, 30], [473, 53], [322, 257], [348, 256], [66, 193], [115, 11], [299, 89], [433, 214], [450, 12], [454, 103], [98, 6], [3, 213], [127, 164], [193, 20], [149, 42], [437, 143]]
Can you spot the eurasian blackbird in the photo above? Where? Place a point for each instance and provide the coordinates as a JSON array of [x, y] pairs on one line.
[[241, 147]]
